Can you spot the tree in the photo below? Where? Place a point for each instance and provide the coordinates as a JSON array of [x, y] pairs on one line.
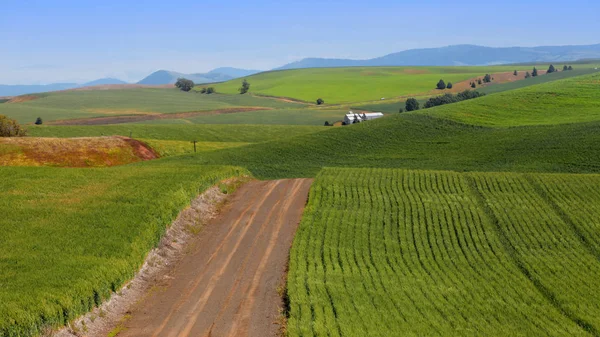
[[535, 72], [203, 91], [245, 87], [565, 68], [479, 81], [473, 85], [184, 84], [487, 78], [570, 68], [551, 69], [327, 123], [412, 104], [320, 101], [10, 128], [449, 85], [210, 90], [441, 85], [527, 75], [516, 73], [38, 121]]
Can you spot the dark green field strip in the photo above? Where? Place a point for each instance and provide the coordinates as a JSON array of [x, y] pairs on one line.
[[72, 236], [390, 252], [420, 142], [199, 132], [546, 248]]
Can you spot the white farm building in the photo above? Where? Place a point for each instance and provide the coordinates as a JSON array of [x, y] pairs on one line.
[[352, 117]]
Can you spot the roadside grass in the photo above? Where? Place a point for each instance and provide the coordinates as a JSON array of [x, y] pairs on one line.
[[570, 100], [167, 148], [359, 84], [96, 103], [71, 152], [199, 132], [70, 237]]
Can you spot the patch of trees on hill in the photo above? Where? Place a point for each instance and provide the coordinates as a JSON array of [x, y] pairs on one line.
[[184, 84], [412, 104], [209, 90]]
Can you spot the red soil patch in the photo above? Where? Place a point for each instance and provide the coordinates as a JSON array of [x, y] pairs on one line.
[[498, 78], [150, 117], [21, 99], [73, 152]]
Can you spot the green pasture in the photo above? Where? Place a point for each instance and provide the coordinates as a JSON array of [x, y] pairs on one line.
[[358, 84]]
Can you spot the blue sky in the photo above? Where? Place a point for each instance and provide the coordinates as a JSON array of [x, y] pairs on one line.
[[77, 41]]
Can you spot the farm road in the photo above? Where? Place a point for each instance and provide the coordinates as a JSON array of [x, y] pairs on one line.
[[227, 285]]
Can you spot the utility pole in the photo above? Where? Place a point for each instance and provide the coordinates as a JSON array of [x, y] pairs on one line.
[[194, 141]]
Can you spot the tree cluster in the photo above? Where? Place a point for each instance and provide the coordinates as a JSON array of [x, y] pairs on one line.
[[209, 90], [565, 68], [184, 84], [10, 128], [245, 87], [487, 78], [450, 98], [411, 104]]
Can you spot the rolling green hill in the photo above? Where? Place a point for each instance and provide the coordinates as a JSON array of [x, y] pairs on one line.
[[565, 101], [357, 84]]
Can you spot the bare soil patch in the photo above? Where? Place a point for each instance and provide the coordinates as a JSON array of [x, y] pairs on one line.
[[150, 116], [24, 98], [498, 78]]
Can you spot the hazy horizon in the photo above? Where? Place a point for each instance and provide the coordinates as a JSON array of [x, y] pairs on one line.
[[70, 41]]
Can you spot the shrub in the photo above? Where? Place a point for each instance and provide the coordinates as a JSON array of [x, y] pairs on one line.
[[565, 68], [527, 75], [535, 72], [473, 85], [38, 121], [10, 128], [487, 78], [516, 73], [184, 84], [570, 68], [401, 110], [327, 123], [441, 85], [449, 85], [245, 87], [479, 81], [210, 90], [551, 69], [412, 104], [203, 91], [320, 101]]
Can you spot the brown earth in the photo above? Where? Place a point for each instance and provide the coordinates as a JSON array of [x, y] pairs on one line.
[[149, 117], [73, 152], [498, 78], [24, 98], [228, 283]]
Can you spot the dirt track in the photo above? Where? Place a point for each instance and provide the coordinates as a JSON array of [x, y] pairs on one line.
[[227, 285]]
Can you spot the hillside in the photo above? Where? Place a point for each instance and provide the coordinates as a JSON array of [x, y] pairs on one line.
[[357, 84], [571, 100], [461, 55]]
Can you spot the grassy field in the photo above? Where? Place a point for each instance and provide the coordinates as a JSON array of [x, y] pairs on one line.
[[420, 142], [72, 236], [565, 101], [201, 133], [103, 103], [358, 84], [417, 253], [312, 116]]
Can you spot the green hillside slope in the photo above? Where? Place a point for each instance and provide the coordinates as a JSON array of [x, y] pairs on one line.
[[565, 101]]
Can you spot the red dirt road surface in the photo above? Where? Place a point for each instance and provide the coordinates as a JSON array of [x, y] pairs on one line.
[[227, 285]]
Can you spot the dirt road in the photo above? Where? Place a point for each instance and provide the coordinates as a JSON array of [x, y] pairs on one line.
[[227, 285]]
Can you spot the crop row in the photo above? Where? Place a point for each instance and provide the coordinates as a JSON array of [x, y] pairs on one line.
[[386, 252]]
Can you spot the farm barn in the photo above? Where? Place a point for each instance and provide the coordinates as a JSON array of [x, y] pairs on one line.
[[365, 116]]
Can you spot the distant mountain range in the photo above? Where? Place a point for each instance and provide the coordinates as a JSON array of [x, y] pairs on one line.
[[217, 75], [460, 55]]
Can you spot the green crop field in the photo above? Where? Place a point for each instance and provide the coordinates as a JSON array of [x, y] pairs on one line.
[[357, 84], [312, 116], [417, 253], [103, 103], [565, 101], [70, 237], [199, 132]]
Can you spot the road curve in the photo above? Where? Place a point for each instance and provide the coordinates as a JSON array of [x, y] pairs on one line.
[[227, 284]]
